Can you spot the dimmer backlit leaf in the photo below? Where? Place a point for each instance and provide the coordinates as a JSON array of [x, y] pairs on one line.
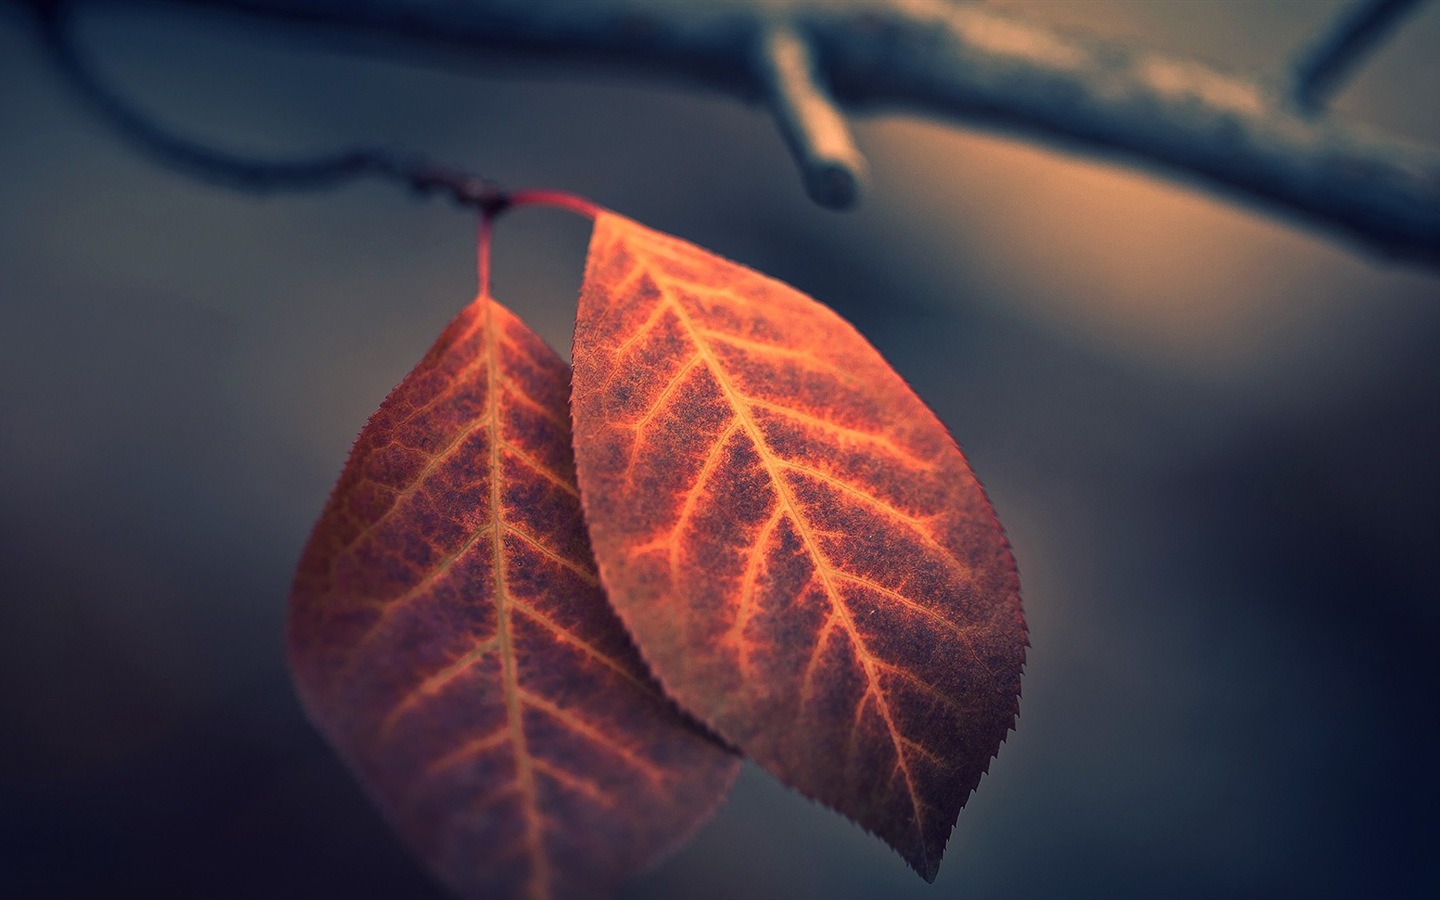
[[448, 634], [793, 539]]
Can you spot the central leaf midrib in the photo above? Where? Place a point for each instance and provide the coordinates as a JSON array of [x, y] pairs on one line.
[[822, 564], [514, 715]]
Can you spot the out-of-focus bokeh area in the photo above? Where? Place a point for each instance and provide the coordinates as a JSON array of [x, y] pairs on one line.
[[1214, 439]]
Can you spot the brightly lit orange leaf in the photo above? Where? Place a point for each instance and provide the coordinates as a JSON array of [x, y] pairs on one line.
[[793, 539], [448, 634]]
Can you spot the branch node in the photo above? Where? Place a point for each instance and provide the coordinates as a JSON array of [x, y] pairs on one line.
[[1321, 71], [812, 125]]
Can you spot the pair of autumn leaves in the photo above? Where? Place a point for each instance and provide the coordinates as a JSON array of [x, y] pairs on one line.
[[785, 535]]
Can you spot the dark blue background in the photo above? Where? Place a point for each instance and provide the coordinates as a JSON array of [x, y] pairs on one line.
[[1214, 439]]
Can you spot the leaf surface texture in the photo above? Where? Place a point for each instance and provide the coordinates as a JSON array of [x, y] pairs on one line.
[[449, 635], [793, 539]]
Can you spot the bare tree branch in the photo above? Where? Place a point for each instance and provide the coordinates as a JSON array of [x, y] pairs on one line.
[[1322, 70], [812, 126], [963, 63]]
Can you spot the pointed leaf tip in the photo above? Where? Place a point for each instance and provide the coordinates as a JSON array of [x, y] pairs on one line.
[[794, 541], [449, 636]]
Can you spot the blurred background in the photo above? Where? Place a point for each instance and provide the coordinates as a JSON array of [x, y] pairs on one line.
[[1214, 439]]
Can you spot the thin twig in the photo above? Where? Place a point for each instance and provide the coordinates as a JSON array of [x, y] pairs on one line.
[[244, 172], [1322, 70], [813, 127], [253, 174]]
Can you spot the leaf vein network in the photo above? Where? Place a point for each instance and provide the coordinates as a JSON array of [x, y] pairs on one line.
[[823, 567]]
